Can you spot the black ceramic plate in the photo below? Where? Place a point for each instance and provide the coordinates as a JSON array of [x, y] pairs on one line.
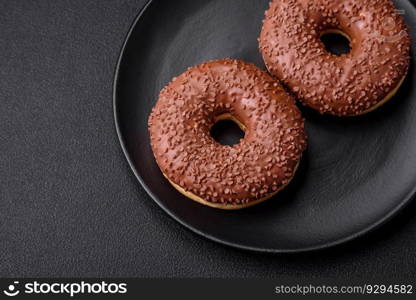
[[356, 174]]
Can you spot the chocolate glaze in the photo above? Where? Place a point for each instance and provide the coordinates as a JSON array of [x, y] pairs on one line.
[[266, 158], [346, 85]]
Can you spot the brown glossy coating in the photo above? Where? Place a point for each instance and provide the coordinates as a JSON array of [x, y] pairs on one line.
[[223, 176], [345, 85]]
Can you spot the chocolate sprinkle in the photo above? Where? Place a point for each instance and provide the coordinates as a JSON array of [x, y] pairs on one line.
[[263, 162], [348, 85]]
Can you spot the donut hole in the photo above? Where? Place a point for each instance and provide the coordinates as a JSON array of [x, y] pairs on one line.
[[336, 42], [227, 131]]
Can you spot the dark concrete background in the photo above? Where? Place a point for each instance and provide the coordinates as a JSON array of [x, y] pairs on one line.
[[69, 204]]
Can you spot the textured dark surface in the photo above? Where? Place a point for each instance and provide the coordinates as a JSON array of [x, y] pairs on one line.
[[69, 204]]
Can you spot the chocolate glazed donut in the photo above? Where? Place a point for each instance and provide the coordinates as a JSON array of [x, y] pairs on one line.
[[346, 85], [220, 176]]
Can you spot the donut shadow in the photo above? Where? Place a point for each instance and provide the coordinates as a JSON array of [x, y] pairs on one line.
[[288, 194], [388, 110]]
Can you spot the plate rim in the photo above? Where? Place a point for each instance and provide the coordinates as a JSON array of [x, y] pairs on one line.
[[366, 230]]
